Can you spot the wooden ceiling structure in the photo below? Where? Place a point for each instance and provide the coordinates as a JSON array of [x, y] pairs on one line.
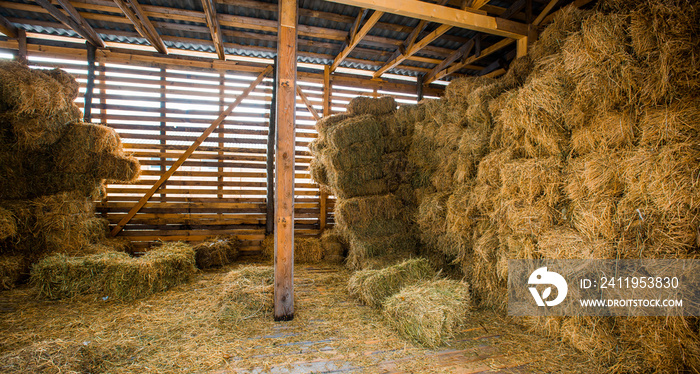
[[430, 41]]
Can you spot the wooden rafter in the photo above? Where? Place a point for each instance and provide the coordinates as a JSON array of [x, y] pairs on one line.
[[214, 28], [82, 22], [71, 23], [133, 11], [459, 65], [513, 9], [356, 39], [7, 28], [461, 52], [544, 12], [477, 4], [415, 47], [306, 101], [173, 168], [467, 19]]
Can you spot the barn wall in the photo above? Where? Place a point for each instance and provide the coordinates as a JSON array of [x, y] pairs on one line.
[[160, 108]]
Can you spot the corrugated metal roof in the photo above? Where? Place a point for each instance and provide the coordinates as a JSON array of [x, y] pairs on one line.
[[195, 36]]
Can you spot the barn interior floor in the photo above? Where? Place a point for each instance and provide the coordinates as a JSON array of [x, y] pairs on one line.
[[177, 332]]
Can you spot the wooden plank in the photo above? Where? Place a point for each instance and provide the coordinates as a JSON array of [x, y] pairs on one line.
[[544, 12], [87, 110], [356, 39], [133, 11], [306, 101], [82, 22], [327, 90], [214, 28], [189, 151], [462, 51], [413, 49], [284, 168], [22, 47], [7, 28], [70, 23], [449, 16], [486, 52], [270, 169]]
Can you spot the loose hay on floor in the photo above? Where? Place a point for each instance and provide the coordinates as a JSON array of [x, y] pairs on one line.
[[114, 274], [429, 312], [247, 293]]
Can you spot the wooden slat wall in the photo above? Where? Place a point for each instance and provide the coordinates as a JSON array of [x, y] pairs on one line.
[[159, 111]]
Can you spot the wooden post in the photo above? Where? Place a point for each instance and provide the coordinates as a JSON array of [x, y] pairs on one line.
[[90, 87], [322, 193], [284, 167], [419, 88], [222, 93], [163, 129], [103, 93], [22, 46], [270, 219]]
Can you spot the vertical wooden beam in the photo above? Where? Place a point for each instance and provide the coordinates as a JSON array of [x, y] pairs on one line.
[[419, 88], [90, 86], [521, 47], [163, 129], [22, 55], [164, 178], [271, 134], [322, 192], [284, 171], [103, 92], [222, 93]]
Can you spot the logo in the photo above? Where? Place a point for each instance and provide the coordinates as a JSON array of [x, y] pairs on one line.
[[542, 276]]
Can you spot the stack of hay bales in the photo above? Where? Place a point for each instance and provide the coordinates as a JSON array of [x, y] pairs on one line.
[[52, 168], [587, 148], [217, 252], [361, 157], [592, 153]]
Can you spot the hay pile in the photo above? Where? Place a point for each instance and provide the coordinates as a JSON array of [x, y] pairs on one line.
[[247, 293], [114, 274], [419, 305], [52, 167], [429, 312], [591, 153], [217, 252], [361, 156], [587, 148], [330, 248], [373, 286]]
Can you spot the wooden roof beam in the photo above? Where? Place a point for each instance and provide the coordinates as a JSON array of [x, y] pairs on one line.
[[133, 11], [457, 66], [468, 19], [82, 22], [356, 39], [7, 28], [214, 28], [71, 23], [462, 51], [413, 49], [544, 12]]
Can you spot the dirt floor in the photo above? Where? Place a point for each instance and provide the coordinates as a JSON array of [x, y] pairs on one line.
[[177, 332]]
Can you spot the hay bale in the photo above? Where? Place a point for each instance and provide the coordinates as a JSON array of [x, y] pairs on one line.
[[306, 250], [358, 129], [429, 313], [668, 124], [566, 243], [325, 123], [247, 293], [372, 216], [217, 252], [664, 37], [372, 287], [533, 116], [567, 21], [373, 252], [598, 60], [333, 245], [8, 225], [35, 106], [114, 274], [602, 131], [11, 269], [366, 105]]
